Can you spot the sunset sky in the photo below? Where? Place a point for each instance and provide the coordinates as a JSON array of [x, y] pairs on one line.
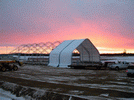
[[109, 24]]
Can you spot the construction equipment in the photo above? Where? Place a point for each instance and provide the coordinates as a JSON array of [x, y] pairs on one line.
[[9, 65]]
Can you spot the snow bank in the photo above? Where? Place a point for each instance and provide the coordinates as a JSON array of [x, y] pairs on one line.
[[7, 95], [34, 94]]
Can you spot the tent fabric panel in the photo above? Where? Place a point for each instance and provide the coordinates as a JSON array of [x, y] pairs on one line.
[[84, 55], [55, 54], [93, 52], [66, 54]]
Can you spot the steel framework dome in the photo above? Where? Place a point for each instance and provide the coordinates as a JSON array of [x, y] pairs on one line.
[[41, 48]]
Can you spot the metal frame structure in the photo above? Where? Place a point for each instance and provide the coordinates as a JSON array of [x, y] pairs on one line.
[[36, 48], [36, 53]]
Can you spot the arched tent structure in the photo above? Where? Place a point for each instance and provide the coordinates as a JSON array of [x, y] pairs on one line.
[[61, 56]]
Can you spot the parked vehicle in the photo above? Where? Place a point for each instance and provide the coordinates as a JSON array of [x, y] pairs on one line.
[[108, 63], [130, 70], [119, 65], [9, 65]]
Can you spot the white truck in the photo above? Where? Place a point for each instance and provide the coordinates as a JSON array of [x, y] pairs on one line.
[[119, 65]]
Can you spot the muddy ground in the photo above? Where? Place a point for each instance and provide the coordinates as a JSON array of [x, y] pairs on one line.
[[87, 83]]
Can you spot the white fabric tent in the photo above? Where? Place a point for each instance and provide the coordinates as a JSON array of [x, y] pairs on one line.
[[61, 56]]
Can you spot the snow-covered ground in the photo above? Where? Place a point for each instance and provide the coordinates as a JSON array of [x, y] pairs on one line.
[[106, 84], [118, 58], [102, 81], [7, 95]]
